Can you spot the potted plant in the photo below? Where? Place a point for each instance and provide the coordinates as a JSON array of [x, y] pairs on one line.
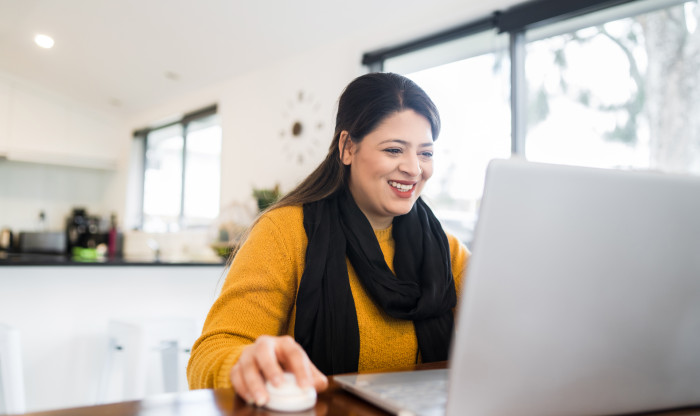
[[266, 197]]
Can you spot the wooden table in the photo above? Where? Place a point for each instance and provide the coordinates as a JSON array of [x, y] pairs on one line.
[[332, 402]]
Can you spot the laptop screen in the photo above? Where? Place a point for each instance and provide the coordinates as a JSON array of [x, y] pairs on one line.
[[582, 294]]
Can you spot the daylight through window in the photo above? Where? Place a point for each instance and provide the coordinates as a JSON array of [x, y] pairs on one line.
[[181, 173]]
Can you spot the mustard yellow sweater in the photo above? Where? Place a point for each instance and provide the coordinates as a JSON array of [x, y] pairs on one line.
[[258, 298]]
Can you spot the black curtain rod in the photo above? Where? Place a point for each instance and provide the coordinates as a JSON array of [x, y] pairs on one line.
[[437, 38], [514, 19], [538, 12], [204, 112]]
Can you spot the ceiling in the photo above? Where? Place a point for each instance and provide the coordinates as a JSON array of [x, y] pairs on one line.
[[127, 55]]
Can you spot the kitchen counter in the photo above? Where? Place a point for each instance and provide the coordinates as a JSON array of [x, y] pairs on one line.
[[33, 259]]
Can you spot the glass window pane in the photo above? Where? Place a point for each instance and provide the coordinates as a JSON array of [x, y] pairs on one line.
[[472, 96], [202, 175], [162, 179], [618, 94]]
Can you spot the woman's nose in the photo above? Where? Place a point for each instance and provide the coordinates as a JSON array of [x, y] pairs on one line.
[[411, 166]]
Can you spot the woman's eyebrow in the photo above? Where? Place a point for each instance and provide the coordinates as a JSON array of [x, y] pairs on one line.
[[405, 142]]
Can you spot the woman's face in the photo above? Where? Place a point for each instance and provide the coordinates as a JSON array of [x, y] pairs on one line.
[[390, 166]]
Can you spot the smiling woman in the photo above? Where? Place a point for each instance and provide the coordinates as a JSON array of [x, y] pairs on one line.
[[350, 271]]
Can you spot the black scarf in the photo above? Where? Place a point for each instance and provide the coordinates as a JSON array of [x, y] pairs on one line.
[[422, 290]]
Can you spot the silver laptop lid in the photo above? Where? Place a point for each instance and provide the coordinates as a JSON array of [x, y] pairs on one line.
[[582, 295]]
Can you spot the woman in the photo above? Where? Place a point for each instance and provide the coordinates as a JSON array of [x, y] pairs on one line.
[[350, 271]]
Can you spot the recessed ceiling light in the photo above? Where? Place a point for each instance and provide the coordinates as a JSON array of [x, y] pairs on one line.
[[44, 41]]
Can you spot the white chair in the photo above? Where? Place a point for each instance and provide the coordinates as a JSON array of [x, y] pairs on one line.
[[147, 356], [11, 374]]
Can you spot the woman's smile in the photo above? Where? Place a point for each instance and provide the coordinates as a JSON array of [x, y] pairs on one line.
[[402, 188]]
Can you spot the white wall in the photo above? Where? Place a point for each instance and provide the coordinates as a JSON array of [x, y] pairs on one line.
[[259, 149]]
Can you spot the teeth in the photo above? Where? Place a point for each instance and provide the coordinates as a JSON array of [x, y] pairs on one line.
[[401, 187]]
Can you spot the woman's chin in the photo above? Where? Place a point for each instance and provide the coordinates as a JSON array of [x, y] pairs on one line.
[[403, 208]]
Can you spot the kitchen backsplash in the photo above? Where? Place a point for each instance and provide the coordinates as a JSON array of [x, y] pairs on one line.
[[27, 189]]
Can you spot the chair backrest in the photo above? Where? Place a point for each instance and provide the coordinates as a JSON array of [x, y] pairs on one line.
[[12, 398]]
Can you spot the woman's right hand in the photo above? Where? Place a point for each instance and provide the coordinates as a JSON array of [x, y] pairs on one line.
[[266, 360]]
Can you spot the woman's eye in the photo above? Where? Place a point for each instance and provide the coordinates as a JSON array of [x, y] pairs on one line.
[[427, 154], [393, 151]]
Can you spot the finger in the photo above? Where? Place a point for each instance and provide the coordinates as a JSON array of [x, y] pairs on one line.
[[252, 377], [267, 360], [320, 381], [294, 359], [239, 385], [238, 380]]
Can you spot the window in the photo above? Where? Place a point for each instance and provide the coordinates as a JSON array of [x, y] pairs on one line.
[[628, 110], [181, 173], [608, 83]]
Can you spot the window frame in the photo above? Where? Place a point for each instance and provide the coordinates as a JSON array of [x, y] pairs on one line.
[[142, 136], [517, 21]]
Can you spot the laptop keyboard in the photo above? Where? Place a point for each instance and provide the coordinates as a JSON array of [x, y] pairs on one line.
[[422, 399]]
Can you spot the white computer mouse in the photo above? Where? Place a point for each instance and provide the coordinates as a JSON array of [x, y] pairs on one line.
[[288, 397]]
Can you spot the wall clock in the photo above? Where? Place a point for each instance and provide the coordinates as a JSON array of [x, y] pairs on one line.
[[303, 127]]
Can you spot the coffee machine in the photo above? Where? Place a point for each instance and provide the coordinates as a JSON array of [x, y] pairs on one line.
[[82, 230]]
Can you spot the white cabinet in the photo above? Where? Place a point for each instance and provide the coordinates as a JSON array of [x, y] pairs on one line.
[[93, 138], [37, 124], [40, 128]]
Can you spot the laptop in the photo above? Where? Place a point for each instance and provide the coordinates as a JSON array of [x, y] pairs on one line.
[[582, 298]]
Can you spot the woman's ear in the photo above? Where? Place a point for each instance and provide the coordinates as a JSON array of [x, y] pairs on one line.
[[346, 147]]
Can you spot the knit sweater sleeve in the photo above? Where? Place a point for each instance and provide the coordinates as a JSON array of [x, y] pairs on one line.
[[256, 299], [460, 258]]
